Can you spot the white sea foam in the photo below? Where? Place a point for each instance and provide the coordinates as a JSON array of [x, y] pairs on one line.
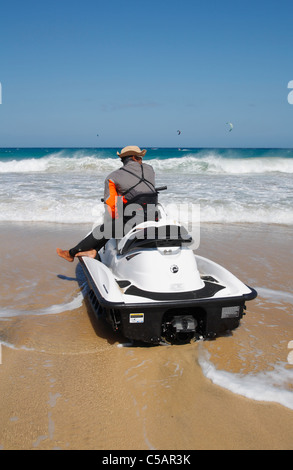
[[213, 164], [12, 346], [66, 187], [57, 164], [269, 386], [51, 310], [66, 211], [238, 213], [81, 210], [275, 295]]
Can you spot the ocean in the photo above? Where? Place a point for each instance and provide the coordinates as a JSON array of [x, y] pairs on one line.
[[65, 185], [49, 198]]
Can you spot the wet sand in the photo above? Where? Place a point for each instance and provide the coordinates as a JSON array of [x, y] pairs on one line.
[[68, 382]]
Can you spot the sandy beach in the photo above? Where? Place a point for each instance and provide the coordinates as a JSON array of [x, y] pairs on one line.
[[68, 382], [196, 110]]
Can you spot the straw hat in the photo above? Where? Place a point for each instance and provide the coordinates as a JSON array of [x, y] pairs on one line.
[[131, 150]]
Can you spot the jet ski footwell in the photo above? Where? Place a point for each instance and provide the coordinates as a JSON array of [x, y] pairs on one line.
[[173, 317]]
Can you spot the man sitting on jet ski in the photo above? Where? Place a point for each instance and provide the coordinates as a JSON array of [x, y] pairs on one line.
[[133, 183]]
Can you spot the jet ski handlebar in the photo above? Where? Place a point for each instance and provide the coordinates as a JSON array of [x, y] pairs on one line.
[[161, 188]]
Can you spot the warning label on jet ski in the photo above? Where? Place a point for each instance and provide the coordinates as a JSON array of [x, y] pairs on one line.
[[230, 312], [136, 317]]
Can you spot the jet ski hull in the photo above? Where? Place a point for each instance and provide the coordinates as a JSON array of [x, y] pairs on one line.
[[175, 317]]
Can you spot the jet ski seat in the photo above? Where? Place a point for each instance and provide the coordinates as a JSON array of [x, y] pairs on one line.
[[154, 236]]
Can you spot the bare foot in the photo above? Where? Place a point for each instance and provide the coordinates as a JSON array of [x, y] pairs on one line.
[[90, 253], [65, 254]]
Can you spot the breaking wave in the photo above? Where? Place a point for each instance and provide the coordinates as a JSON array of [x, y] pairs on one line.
[[230, 185], [171, 160]]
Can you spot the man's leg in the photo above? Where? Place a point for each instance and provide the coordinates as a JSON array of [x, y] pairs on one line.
[[89, 246]]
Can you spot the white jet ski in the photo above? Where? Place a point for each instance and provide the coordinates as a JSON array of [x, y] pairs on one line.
[[155, 289]]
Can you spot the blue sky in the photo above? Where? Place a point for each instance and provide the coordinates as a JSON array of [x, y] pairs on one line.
[[134, 72]]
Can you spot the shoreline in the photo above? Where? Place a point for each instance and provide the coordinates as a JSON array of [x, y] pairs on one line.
[[69, 382]]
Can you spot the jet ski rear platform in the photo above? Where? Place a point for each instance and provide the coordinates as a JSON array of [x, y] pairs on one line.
[[158, 290]]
